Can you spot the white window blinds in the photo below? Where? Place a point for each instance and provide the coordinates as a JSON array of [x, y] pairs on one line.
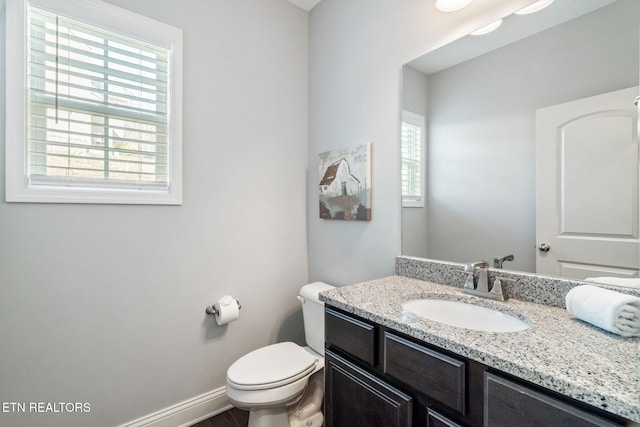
[[97, 107], [412, 157]]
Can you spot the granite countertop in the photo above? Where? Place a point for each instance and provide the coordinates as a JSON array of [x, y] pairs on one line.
[[558, 351]]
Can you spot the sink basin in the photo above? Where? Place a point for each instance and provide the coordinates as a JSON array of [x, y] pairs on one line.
[[464, 315]]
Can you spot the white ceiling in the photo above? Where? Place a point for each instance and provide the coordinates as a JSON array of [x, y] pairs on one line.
[[305, 4]]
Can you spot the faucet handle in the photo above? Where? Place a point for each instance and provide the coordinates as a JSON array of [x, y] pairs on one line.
[[471, 277], [498, 261], [472, 270], [496, 288]]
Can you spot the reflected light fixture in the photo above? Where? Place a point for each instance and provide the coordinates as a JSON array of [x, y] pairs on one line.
[[452, 5], [487, 28], [535, 7]]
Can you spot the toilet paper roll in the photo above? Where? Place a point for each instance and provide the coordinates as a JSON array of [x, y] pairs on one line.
[[227, 310]]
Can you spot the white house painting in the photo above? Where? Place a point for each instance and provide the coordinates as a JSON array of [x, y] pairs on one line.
[[345, 183]]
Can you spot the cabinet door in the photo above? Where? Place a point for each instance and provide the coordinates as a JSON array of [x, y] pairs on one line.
[[510, 404], [356, 398]]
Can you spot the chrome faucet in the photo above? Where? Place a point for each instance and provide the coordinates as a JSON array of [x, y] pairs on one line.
[[478, 282], [498, 261], [478, 276]]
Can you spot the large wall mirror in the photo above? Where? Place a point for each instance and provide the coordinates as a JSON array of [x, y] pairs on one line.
[[531, 147]]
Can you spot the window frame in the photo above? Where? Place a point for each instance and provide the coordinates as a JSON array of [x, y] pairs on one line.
[[417, 120], [100, 14]]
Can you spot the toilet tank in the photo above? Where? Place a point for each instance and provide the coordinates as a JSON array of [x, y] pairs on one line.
[[313, 314]]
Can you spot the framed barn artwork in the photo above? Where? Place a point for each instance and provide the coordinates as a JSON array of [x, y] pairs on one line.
[[345, 183]]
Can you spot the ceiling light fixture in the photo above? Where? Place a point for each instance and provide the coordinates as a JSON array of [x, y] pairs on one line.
[[487, 28], [452, 5], [535, 7]]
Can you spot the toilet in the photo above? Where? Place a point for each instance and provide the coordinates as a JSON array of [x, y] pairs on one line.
[[282, 385]]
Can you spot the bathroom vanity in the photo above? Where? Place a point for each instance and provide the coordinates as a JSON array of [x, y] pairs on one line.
[[386, 366]]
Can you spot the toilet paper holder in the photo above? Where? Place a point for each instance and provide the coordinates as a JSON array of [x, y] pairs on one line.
[[211, 310]]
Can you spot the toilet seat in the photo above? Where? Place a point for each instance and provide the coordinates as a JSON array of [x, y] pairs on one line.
[[271, 366]]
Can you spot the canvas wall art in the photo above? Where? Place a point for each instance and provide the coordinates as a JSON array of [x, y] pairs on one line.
[[345, 183]]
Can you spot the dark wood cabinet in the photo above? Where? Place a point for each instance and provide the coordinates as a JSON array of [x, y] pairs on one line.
[[376, 376], [357, 398], [508, 403], [437, 375], [434, 419], [352, 335]]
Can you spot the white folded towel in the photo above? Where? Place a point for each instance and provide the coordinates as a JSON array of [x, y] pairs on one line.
[[615, 281], [613, 311]]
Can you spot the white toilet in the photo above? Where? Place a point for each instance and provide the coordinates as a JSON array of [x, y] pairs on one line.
[[281, 385]]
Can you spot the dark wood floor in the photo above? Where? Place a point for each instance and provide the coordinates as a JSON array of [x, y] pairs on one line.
[[231, 418]]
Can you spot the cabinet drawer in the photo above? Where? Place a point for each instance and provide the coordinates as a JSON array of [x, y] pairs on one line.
[[511, 404], [435, 374], [435, 419], [355, 336]]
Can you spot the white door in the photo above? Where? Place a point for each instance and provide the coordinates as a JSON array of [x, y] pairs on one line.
[[587, 187]]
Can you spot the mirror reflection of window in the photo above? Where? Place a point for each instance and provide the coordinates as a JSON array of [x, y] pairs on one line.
[[413, 164]]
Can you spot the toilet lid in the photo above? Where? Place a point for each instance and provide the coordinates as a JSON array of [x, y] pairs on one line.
[[271, 366]]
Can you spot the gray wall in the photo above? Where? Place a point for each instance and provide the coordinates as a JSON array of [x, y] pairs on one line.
[[414, 219], [482, 129], [356, 52], [105, 304]]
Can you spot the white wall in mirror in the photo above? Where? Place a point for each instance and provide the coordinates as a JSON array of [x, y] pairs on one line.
[[481, 131]]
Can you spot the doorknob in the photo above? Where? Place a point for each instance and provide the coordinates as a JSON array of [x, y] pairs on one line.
[[544, 247]]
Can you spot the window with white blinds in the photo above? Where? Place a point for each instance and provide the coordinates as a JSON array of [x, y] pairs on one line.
[[100, 109], [412, 157]]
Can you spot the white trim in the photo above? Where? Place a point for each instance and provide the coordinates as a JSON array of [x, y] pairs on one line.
[[186, 413], [15, 106]]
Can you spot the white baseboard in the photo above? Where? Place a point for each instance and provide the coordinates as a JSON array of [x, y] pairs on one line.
[[186, 413]]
